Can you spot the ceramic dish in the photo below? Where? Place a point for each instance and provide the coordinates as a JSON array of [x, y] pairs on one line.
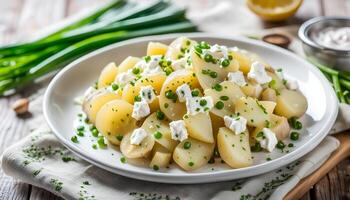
[[72, 81]]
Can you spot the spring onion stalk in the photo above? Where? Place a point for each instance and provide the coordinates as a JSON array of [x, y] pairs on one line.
[[168, 15], [80, 48], [339, 79], [88, 19], [84, 21], [134, 12], [337, 88]]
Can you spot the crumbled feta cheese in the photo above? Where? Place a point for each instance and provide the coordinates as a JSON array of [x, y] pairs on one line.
[[183, 92], [151, 67], [217, 51], [292, 84], [141, 109], [137, 136], [178, 130], [179, 64], [258, 73], [125, 77], [147, 94], [237, 78], [197, 105], [237, 124], [268, 139]]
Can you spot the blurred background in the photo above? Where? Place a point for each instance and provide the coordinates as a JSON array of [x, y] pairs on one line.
[[21, 18]]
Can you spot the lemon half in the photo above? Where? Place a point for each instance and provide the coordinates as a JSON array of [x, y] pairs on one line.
[[274, 10]]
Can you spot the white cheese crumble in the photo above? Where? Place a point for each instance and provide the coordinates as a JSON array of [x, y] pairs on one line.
[[268, 140], [237, 124], [140, 110], [292, 84], [197, 105], [151, 67], [147, 94], [178, 130], [217, 51], [137, 136], [237, 78], [183, 92], [257, 72], [125, 77]]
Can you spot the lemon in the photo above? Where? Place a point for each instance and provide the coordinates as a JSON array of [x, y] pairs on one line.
[[274, 10]]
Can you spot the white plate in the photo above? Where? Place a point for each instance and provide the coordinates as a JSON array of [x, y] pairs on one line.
[[72, 81]]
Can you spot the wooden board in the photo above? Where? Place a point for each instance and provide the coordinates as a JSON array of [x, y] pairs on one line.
[[21, 18]]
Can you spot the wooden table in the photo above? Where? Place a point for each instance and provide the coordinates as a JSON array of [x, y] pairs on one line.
[[20, 18]]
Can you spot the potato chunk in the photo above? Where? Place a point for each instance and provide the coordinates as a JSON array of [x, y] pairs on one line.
[[172, 108], [93, 103], [290, 103], [156, 48], [160, 160], [234, 149], [199, 127], [107, 75], [227, 93], [136, 151], [152, 125], [127, 64], [251, 109], [131, 91], [114, 120], [204, 71], [194, 157]]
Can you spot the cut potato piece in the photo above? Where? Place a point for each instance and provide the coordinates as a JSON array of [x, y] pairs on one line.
[[152, 125], [136, 151], [252, 90], [127, 64], [290, 103], [234, 149], [276, 83], [199, 127], [216, 122], [159, 148], [204, 70], [130, 91], [269, 95], [114, 120], [252, 110], [93, 103], [160, 160], [194, 157], [228, 95], [107, 75], [269, 106], [245, 59], [178, 48], [156, 48], [174, 110], [277, 124], [280, 126]]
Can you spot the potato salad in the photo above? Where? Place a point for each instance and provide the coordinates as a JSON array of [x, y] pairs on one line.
[[190, 101]]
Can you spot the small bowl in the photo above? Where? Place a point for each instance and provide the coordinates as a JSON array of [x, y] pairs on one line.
[[339, 59]]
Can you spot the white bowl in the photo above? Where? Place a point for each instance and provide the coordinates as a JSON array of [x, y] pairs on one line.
[[72, 81]]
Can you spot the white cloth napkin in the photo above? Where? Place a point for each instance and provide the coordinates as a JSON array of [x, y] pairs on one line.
[[39, 159]]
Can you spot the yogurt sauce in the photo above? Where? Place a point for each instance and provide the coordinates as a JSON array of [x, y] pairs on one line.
[[334, 37]]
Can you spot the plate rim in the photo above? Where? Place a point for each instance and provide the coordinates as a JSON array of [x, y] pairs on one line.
[[211, 176]]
